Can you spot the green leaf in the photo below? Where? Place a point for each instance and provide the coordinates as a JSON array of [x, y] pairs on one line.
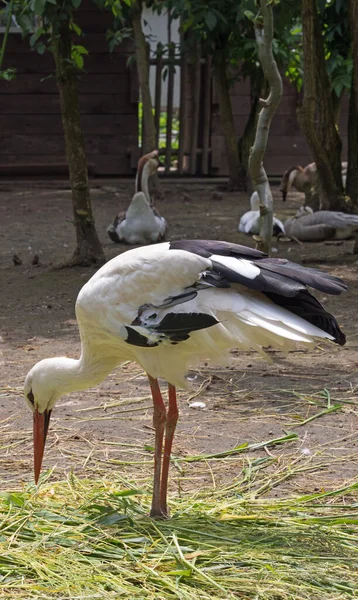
[[123, 493], [249, 15], [39, 7], [40, 49], [80, 49], [79, 62], [210, 20], [8, 75], [111, 518], [26, 22], [76, 3], [75, 28]]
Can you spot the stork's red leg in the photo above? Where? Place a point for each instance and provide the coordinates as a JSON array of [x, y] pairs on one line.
[[172, 418], [159, 419]]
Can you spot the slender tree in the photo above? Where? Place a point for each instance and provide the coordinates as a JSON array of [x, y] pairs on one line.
[[88, 248], [56, 36], [263, 24], [237, 178]]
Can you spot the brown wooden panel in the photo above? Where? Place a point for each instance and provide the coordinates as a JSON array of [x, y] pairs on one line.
[[281, 145], [241, 88], [97, 43], [88, 83], [94, 42], [99, 22], [38, 124], [241, 105], [116, 164], [49, 104], [31, 62], [55, 145]]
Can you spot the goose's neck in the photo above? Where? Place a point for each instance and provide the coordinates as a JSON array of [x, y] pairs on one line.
[[141, 181]]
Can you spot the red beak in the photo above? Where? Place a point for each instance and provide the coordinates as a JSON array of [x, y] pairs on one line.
[[41, 423]]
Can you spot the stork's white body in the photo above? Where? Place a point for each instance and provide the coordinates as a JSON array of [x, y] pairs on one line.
[[142, 277], [250, 221]]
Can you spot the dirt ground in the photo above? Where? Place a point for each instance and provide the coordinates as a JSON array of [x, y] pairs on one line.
[[109, 427]]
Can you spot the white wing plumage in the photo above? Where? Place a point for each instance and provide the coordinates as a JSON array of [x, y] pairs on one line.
[[172, 305]]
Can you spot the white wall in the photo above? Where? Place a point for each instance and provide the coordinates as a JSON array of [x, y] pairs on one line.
[[155, 29]]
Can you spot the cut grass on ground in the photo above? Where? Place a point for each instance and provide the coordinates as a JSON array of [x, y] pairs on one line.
[[93, 539]]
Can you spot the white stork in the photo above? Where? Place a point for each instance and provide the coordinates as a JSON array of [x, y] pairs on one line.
[[170, 306]]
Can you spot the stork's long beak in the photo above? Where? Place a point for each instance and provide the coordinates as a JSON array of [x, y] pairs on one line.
[[41, 423]]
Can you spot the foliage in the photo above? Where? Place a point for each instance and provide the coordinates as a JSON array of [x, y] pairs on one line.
[[41, 19], [335, 27]]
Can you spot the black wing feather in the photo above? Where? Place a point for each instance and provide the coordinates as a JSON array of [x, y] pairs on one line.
[[207, 248], [281, 280]]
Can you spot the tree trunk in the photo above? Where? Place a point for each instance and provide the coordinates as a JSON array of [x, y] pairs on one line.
[[88, 250], [337, 107], [236, 174], [264, 37], [148, 135], [352, 174], [317, 116], [247, 139]]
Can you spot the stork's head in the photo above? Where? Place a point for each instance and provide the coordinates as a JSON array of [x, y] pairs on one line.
[[44, 384]]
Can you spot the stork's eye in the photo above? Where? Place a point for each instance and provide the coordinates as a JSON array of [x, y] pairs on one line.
[[31, 398]]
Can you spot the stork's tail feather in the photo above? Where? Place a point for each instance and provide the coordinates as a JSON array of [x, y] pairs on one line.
[[307, 306]]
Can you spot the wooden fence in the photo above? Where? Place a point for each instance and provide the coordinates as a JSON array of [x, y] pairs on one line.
[[191, 153]]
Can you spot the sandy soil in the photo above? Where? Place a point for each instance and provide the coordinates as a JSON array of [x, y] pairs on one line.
[[109, 427]]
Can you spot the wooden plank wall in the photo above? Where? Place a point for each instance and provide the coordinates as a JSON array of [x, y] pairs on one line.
[[286, 145], [32, 139]]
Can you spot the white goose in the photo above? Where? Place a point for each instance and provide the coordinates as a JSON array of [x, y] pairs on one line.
[[309, 226], [170, 306], [250, 221], [142, 223]]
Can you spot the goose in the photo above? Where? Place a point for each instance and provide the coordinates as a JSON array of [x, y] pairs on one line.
[[309, 226], [250, 221], [170, 306], [304, 179], [142, 223]]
